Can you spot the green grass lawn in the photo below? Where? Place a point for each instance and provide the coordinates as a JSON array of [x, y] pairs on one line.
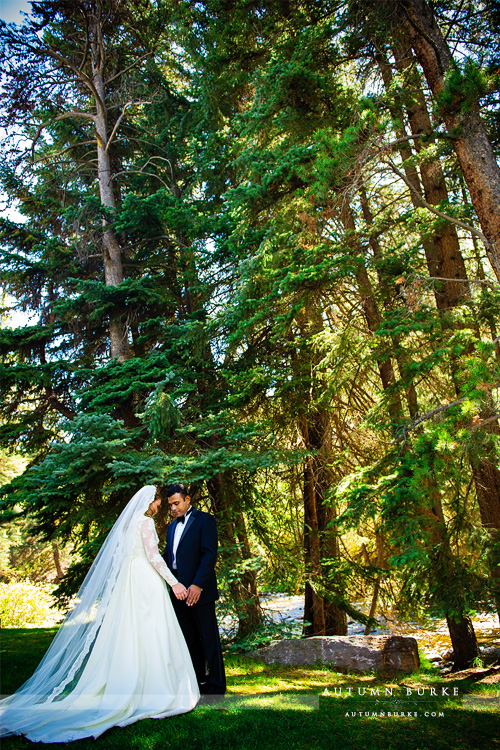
[[269, 708]]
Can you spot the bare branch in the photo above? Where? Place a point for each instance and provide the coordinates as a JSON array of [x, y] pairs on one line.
[[140, 171], [483, 422], [424, 204], [63, 151], [117, 123], [486, 282], [129, 67], [79, 74], [161, 158], [487, 386], [87, 40], [152, 174], [64, 116], [407, 138]]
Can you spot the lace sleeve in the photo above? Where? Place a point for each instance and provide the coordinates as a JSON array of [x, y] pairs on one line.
[[149, 538]]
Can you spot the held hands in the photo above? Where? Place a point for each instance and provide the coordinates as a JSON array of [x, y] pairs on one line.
[[180, 591], [193, 594]]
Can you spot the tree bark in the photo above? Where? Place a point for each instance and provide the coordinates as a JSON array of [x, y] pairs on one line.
[[321, 542], [314, 612], [388, 300], [433, 518], [236, 549], [320, 539], [444, 258], [470, 140], [487, 483], [463, 640], [373, 320], [57, 560], [380, 565], [113, 266]]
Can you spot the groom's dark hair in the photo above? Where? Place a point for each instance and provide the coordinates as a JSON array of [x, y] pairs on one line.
[[175, 489]]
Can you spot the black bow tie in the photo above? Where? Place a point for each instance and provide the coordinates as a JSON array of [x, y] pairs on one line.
[[181, 519]]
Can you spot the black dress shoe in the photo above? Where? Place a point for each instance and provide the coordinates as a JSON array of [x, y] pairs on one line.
[[211, 690]]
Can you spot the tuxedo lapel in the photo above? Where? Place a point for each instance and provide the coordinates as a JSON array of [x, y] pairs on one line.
[[187, 526], [170, 537]]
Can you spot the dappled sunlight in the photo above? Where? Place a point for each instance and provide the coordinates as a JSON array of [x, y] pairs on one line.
[[307, 708]]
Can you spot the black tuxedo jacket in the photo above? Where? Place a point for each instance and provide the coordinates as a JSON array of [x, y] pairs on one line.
[[196, 554]]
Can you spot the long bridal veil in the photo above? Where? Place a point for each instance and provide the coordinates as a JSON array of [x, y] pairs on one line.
[[70, 650]]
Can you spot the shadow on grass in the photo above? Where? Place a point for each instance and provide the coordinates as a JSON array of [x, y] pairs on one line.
[[269, 708], [328, 728]]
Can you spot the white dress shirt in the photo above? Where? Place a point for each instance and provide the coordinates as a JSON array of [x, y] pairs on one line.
[[179, 528]]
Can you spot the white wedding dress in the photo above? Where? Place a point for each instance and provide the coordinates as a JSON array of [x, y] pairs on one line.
[[120, 656]]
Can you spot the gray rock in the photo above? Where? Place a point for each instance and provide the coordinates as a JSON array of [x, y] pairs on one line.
[[380, 653], [490, 654]]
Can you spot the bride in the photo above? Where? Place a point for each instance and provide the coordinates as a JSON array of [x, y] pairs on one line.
[[119, 656]]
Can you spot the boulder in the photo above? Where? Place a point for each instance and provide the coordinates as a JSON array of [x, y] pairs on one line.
[[379, 653]]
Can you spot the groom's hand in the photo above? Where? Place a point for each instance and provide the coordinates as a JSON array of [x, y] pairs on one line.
[[193, 594]]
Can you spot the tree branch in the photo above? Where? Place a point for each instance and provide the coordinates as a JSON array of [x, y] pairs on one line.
[[486, 282], [120, 118], [129, 67], [483, 422], [60, 407], [117, 124], [424, 204], [152, 174], [412, 425], [64, 116], [79, 74], [140, 171], [63, 151]]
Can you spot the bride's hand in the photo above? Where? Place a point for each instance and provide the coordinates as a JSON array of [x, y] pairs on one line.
[[180, 591]]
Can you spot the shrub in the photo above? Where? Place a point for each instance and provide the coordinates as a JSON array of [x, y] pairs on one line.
[[27, 605]]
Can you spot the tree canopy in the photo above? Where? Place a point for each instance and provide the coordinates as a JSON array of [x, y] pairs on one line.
[[260, 251]]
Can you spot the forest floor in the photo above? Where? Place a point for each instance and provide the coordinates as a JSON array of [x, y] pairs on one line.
[[298, 708]]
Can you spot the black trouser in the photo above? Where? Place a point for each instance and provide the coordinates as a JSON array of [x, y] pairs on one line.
[[199, 627]]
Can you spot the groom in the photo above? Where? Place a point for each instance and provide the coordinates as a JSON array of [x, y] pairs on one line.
[[190, 554]]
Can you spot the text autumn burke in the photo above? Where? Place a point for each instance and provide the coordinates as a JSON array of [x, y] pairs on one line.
[[387, 691]]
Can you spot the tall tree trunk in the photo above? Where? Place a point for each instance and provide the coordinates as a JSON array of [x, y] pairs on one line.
[[444, 258], [434, 521], [460, 627], [470, 140], [235, 545], [314, 611], [463, 641], [57, 560], [487, 483], [113, 266], [320, 538], [321, 542], [373, 320], [236, 549], [379, 540], [388, 300], [461, 630]]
